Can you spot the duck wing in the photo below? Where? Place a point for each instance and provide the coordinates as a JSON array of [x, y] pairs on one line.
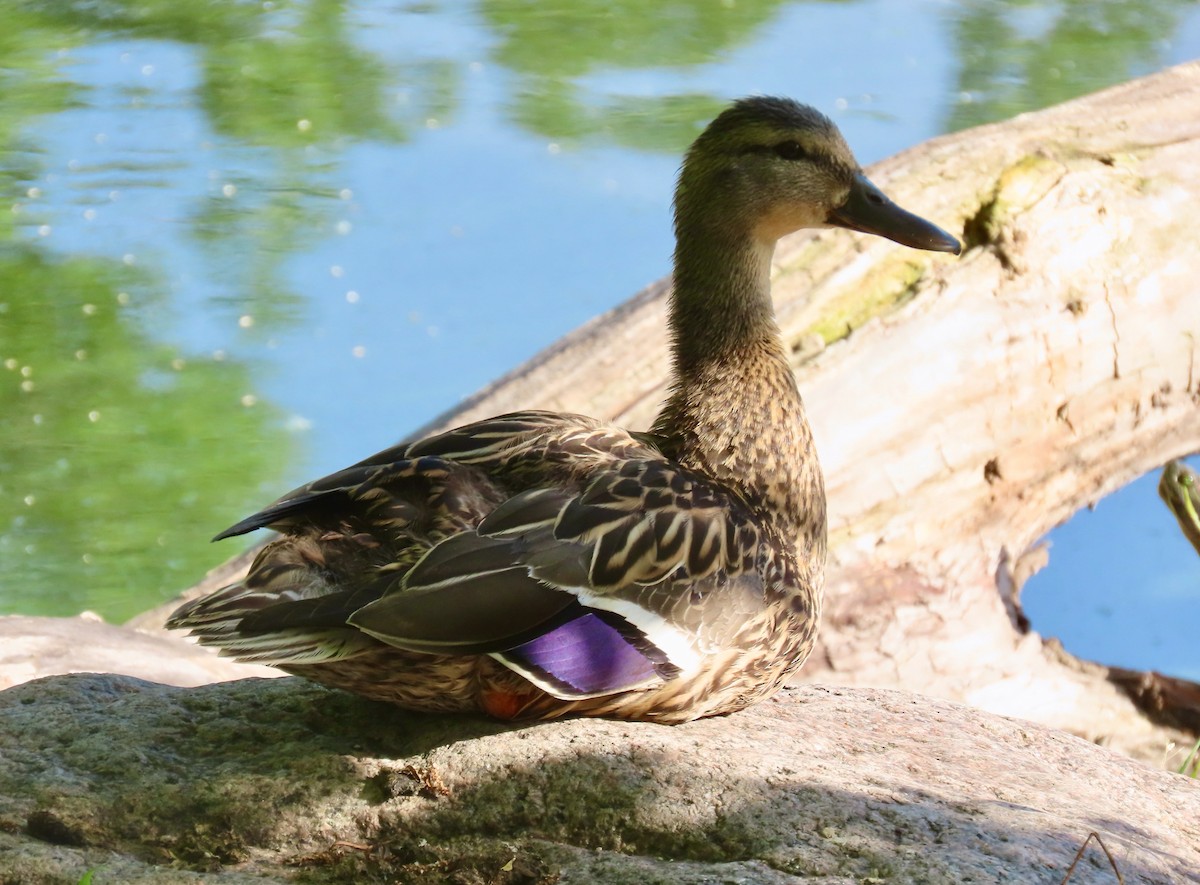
[[594, 591], [569, 550]]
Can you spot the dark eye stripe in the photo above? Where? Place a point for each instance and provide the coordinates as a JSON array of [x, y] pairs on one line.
[[790, 150]]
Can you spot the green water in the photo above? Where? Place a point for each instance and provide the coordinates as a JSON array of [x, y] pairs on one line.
[[243, 243]]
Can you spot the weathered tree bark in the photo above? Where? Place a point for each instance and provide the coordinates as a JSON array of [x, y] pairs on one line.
[[963, 407]]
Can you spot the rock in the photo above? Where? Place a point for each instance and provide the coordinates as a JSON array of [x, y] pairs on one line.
[[31, 648], [283, 780]]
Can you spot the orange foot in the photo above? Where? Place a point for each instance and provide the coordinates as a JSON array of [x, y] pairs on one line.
[[505, 705]]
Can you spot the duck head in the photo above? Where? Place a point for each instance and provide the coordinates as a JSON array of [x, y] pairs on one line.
[[769, 166]]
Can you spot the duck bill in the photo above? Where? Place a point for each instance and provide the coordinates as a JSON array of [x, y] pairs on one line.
[[868, 210]]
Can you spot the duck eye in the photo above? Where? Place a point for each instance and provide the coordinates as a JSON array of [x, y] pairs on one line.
[[790, 150]]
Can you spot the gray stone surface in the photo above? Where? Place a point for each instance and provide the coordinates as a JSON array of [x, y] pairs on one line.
[[281, 780]]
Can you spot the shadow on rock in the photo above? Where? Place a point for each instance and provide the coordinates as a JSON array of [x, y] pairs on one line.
[[283, 778]]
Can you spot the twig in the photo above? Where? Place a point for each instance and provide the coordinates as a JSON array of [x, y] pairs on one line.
[[1079, 854]]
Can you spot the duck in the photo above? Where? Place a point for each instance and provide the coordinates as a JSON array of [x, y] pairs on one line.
[[536, 565]]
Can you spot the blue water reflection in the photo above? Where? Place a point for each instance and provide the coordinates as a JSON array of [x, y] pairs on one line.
[[1124, 587]]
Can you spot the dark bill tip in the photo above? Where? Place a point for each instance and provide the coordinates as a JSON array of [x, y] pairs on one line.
[[868, 210]]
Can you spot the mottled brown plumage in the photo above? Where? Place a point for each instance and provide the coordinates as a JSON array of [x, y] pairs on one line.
[[536, 565]]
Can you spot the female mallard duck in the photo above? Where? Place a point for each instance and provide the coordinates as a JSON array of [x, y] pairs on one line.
[[536, 565]]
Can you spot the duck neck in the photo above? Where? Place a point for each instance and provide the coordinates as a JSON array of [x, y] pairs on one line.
[[734, 411]]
